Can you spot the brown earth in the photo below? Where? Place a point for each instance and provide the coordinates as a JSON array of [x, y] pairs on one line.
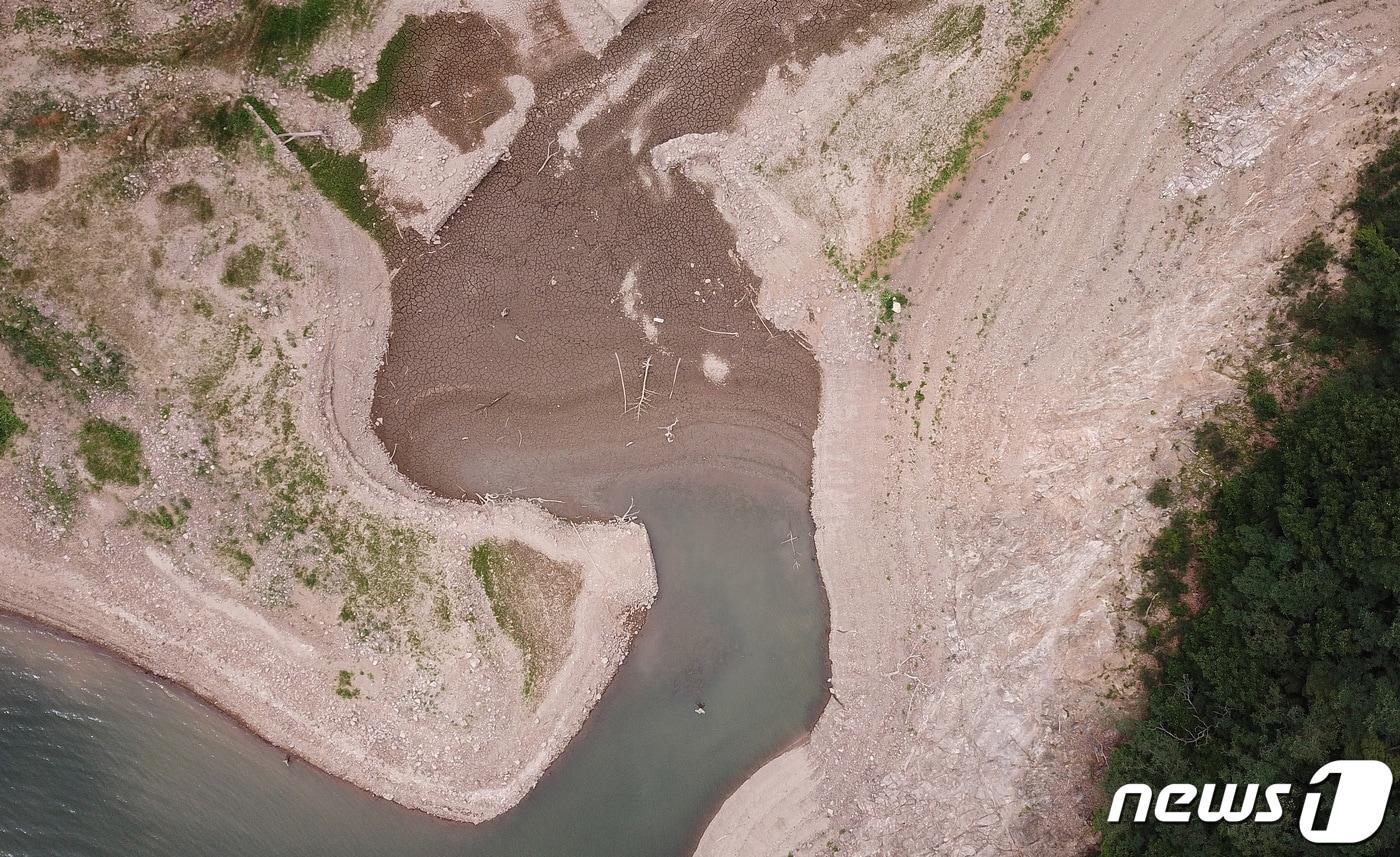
[[517, 359], [452, 74]]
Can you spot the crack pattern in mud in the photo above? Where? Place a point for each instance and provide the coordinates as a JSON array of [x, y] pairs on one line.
[[560, 329]]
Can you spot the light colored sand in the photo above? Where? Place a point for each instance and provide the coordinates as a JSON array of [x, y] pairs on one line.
[[1072, 308], [773, 807], [596, 22]]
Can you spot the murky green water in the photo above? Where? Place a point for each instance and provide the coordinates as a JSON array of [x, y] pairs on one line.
[[98, 759]]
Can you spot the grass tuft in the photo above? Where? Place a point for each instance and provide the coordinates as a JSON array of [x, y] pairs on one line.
[[370, 110], [244, 268], [284, 35], [11, 426], [345, 685], [190, 197], [79, 361], [341, 177], [337, 84], [228, 124], [110, 452]]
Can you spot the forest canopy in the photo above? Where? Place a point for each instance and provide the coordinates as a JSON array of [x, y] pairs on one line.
[[1293, 659]]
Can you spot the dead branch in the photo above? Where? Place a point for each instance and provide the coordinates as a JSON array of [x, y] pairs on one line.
[[670, 430], [548, 157], [629, 516], [801, 339], [289, 136], [479, 408], [623, 380], [645, 397]]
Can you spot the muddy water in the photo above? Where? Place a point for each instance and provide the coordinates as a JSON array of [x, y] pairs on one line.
[[99, 759]]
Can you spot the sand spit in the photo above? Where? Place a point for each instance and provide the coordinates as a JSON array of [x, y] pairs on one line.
[[430, 714], [1071, 312]]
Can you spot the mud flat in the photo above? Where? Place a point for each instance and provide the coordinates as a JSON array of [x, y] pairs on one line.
[[584, 313]]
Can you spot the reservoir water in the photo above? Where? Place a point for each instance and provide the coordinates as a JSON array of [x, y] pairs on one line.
[[97, 758]]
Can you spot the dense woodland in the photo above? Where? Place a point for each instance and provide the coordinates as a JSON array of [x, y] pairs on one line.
[[1293, 658]]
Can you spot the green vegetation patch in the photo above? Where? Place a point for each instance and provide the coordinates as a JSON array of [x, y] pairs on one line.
[[239, 560], [166, 519], [532, 599], [492, 568], [282, 35], [890, 304], [341, 177], [244, 268], [110, 452], [337, 84], [955, 29], [228, 124], [82, 361], [57, 499], [1304, 269], [1286, 654], [378, 562], [867, 270], [1160, 494], [11, 426], [35, 18], [370, 110], [345, 685]]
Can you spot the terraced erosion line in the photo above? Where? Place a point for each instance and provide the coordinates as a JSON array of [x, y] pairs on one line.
[[1074, 308]]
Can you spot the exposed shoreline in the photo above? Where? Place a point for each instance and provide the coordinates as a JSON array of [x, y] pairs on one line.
[[55, 625], [1070, 339], [975, 484], [126, 661]]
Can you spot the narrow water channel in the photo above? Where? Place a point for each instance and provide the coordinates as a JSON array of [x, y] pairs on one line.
[[98, 759]]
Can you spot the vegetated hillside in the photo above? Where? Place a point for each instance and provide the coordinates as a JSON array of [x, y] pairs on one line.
[[1294, 656]]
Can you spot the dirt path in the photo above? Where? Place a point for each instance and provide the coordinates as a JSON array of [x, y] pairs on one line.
[[1070, 304]]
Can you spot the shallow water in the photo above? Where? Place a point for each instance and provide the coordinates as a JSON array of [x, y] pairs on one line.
[[99, 759]]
